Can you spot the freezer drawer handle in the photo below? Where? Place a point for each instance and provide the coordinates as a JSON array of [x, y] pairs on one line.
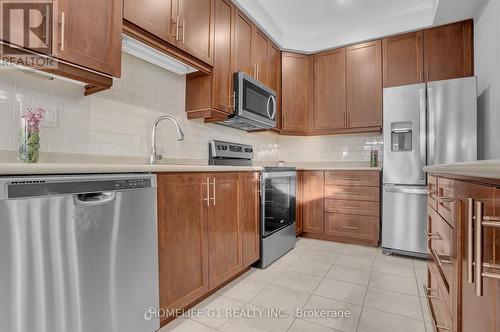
[[407, 191]]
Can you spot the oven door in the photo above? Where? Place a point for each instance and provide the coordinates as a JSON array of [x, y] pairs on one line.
[[254, 100], [278, 193]]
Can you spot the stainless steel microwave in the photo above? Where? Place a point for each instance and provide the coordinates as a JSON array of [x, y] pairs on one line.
[[255, 104]]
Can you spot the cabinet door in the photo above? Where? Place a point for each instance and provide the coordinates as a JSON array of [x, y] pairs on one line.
[[403, 59], [260, 56], [297, 92], [314, 202], [222, 86], [448, 51], [274, 77], [364, 85], [249, 217], [477, 312], [154, 16], [330, 109], [195, 20], [243, 32], [90, 34], [224, 237], [182, 239]]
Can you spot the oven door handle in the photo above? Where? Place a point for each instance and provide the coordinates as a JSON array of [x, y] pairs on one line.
[[275, 175]]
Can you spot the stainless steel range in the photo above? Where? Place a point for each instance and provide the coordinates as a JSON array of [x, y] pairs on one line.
[[277, 196]]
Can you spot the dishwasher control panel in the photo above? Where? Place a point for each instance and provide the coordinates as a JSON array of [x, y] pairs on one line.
[[132, 184]]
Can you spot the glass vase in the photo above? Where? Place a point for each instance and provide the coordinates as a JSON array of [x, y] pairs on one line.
[[29, 142]]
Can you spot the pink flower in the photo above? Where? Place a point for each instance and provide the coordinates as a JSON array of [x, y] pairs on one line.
[[34, 118]]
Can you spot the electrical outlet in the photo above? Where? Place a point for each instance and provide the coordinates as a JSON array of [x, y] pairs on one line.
[[50, 119]]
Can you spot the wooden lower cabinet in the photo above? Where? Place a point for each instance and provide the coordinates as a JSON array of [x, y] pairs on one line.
[[224, 236], [250, 217], [182, 239], [206, 235], [341, 205], [313, 196], [459, 300]]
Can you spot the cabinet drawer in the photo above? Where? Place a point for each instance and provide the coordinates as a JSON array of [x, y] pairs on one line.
[[352, 207], [432, 187], [440, 236], [440, 316], [353, 178], [445, 207], [360, 227], [353, 193]]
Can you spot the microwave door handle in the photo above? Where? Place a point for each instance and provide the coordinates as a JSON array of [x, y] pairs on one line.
[[274, 107], [267, 107]]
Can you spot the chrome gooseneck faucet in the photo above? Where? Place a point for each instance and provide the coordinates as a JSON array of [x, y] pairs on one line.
[[154, 158]]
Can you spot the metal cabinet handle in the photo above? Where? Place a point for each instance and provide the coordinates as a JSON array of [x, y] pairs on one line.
[[183, 31], [444, 199], [428, 297], [213, 191], [177, 28], [433, 236], [349, 227], [479, 221], [207, 199], [439, 260], [470, 240], [63, 30]]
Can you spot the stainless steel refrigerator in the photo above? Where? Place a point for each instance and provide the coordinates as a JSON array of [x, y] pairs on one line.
[[424, 124]]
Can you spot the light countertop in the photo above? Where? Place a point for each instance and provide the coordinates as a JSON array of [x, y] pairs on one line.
[[61, 163], [485, 169], [73, 168]]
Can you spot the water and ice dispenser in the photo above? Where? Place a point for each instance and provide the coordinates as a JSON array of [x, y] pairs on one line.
[[401, 136]]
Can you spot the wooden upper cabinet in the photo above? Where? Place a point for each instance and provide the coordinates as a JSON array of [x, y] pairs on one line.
[[91, 38], [250, 217], [448, 51], [364, 85], [154, 16], [403, 59], [222, 84], [274, 76], [297, 87], [182, 239], [330, 109], [223, 228], [260, 56], [193, 24], [313, 204], [242, 49]]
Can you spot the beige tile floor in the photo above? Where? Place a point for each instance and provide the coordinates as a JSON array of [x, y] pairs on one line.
[[382, 293]]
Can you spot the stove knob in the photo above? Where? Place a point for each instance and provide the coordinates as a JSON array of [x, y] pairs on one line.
[[219, 147]]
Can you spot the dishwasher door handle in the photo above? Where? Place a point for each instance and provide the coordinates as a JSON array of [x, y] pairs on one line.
[[95, 198]]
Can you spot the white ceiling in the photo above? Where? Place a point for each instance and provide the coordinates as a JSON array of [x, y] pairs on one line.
[[314, 25]]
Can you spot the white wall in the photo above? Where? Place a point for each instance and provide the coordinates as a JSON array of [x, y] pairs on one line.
[[118, 121], [487, 68]]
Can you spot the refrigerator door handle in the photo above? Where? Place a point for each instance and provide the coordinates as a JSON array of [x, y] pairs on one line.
[[423, 136], [432, 125]]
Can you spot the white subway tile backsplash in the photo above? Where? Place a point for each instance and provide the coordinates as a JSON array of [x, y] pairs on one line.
[[118, 121]]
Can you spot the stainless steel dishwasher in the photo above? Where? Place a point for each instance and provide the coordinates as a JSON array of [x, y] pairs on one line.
[[78, 253]]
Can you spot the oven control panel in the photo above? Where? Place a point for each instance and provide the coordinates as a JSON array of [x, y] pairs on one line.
[[229, 150]]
